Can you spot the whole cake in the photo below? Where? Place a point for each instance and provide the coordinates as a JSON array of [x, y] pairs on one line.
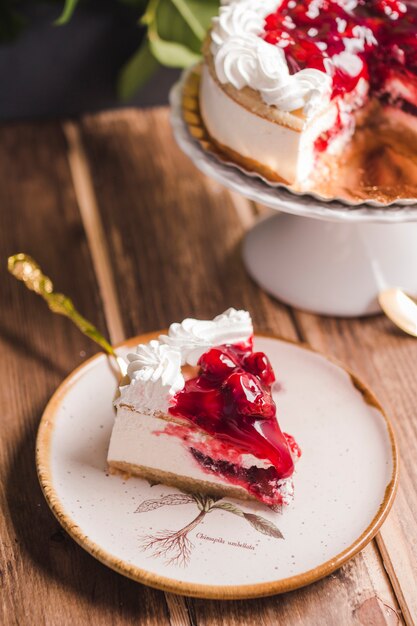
[[285, 82], [197, 413]]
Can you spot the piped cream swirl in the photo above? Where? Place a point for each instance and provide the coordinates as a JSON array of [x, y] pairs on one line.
[[246, 18], [155, 368], [193, 337], [243, 59], [155, 377]]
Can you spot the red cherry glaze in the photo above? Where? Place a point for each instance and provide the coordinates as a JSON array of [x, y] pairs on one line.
[[217, 363], [231, 400], [244, 393], [293, 446], [258, 363], [216, 456], [312, 32]]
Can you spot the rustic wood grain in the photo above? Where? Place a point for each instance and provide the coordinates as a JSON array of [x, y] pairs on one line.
[[45, 578], [93, 227], [174, 237]]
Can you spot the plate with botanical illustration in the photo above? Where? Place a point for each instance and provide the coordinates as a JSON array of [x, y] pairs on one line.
[[193, 544]]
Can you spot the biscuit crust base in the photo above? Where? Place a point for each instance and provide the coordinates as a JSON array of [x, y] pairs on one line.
[[184, 483]]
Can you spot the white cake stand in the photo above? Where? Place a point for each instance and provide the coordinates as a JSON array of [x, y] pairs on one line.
[[326, 257]]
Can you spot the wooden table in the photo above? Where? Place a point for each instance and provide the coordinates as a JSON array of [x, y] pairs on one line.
[[127, 227]]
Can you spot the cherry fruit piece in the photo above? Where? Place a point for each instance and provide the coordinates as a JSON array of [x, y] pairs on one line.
[[258, 363], [217, 363], [248, 395]]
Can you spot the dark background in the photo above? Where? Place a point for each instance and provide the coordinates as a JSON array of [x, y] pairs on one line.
[[54, 71]]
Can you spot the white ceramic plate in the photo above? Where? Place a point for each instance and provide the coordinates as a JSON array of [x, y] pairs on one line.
[[345, 483]]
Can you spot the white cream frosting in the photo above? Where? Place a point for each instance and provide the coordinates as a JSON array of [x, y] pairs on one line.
[[155, 368], [193, 337], [156, 357], [242, 58], [155, 377]]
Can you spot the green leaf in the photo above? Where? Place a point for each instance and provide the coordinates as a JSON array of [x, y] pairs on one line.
[[149, 16], [176, 29], [204, 11], [170, 53], [189, 16], [170, 25], [136, 72], [67, 12]]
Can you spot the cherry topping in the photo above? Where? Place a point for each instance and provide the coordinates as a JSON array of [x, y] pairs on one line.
[[231, 399], [381, 33], [293, 445], [202, 402], [246, 396], [259, 364], [391, 8], [217, 363]]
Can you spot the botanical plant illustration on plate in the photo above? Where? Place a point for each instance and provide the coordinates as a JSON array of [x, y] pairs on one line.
[[176, 547]]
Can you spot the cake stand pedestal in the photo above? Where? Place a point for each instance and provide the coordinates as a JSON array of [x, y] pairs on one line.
[[326, 257], [328, 267]]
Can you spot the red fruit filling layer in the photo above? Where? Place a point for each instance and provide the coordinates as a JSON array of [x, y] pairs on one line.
[[217, 457], [231, 400], [263, 484], [313, 32]]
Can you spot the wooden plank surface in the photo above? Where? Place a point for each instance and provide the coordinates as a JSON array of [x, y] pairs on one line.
[[173, 235], [45, 578], [174, 238]]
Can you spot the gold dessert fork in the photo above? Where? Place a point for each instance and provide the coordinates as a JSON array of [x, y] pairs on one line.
[[24, 268]]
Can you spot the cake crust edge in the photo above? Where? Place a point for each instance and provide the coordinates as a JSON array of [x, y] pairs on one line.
[[183, 483]]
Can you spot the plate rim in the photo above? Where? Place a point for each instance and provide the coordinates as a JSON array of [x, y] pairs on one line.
[[199, 590]]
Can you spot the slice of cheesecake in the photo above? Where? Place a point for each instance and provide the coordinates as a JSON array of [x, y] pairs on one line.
[[198, 414]]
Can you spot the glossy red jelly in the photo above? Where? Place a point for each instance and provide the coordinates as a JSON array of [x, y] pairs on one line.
[[313, 32], [231, 400]]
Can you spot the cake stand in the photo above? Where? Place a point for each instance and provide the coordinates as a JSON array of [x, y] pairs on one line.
[[327, 257]]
